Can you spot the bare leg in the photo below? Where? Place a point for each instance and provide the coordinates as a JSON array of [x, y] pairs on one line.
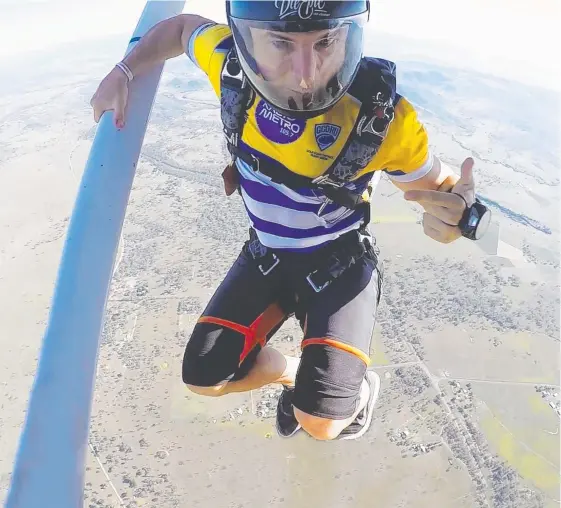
[[324, 428], [270, 366]]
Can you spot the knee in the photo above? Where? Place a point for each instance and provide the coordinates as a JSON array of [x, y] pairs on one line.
[[199, 375], [322, 429], [208, 391], [206, 362]]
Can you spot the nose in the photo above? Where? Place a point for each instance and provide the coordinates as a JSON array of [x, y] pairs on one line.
[[304, 66]]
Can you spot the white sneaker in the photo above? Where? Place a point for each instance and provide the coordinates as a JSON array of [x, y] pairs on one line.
[[363, 420], [287, 424]]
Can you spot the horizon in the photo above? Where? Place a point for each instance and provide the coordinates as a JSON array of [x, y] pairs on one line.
[[496, 49]]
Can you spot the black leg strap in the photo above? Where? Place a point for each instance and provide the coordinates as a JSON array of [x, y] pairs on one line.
[[332, 262]]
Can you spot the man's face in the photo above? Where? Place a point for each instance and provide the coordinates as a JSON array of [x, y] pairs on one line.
[[298, 64]]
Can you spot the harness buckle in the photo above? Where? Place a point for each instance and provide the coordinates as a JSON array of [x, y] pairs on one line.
[[326, 180], [317, 287], [233, 70], [255, 162], [323, 205], [355, 246], [268, 270], [365, 239]]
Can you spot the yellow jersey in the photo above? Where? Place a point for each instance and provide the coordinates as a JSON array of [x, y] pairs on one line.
[[289, 219]]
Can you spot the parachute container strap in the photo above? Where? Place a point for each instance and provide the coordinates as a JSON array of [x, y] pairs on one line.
[[235, 98], [375, 87]]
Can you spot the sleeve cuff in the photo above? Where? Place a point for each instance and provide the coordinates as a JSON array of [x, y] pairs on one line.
[[190, 50], [401, 176]]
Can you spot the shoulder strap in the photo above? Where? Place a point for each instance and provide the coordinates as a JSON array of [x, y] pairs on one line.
[[375, 87], [235, 99]]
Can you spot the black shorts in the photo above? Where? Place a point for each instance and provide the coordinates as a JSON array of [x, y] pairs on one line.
[[249, 307]]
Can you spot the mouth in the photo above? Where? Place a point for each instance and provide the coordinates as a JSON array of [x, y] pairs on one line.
[[301, 92]]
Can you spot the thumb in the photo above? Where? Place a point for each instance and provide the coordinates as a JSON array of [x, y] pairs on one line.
[[466, 176]]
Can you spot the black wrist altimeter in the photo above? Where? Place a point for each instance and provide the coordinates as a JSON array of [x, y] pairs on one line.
[[475, 221]]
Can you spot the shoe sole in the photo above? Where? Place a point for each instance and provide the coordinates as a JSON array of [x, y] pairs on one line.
[[289, 435], [374, 382]]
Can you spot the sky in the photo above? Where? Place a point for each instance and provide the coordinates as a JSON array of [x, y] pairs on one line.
[[510, 38]]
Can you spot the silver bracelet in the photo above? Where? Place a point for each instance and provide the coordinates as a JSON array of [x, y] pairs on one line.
[[125, 68]]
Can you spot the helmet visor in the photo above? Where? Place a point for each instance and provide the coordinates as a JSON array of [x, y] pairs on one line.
[[300, 66]]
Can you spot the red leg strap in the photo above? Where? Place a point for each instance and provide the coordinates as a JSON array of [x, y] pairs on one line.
[[256, 332], [249, 333]]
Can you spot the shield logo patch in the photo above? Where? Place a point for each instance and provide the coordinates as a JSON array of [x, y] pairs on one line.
[[326, 135]]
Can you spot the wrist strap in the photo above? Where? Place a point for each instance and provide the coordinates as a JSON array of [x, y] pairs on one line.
[[467, 206], [125, 68]]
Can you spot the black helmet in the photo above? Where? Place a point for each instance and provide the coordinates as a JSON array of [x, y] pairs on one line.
[[299, 55]]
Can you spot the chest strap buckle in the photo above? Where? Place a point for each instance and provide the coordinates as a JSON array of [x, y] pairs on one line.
[[267, 268]]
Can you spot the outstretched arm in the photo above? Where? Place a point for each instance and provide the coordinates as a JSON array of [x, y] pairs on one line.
[[166, 40]]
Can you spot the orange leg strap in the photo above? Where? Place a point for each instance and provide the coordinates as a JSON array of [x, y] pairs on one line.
[[252, 338], [339, 345], [256, 332]]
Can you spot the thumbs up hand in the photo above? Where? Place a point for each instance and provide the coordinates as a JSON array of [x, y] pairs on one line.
[[444, 210]]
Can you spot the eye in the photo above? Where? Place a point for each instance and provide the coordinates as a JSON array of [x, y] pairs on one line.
[[280, 44], [325, 43]]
